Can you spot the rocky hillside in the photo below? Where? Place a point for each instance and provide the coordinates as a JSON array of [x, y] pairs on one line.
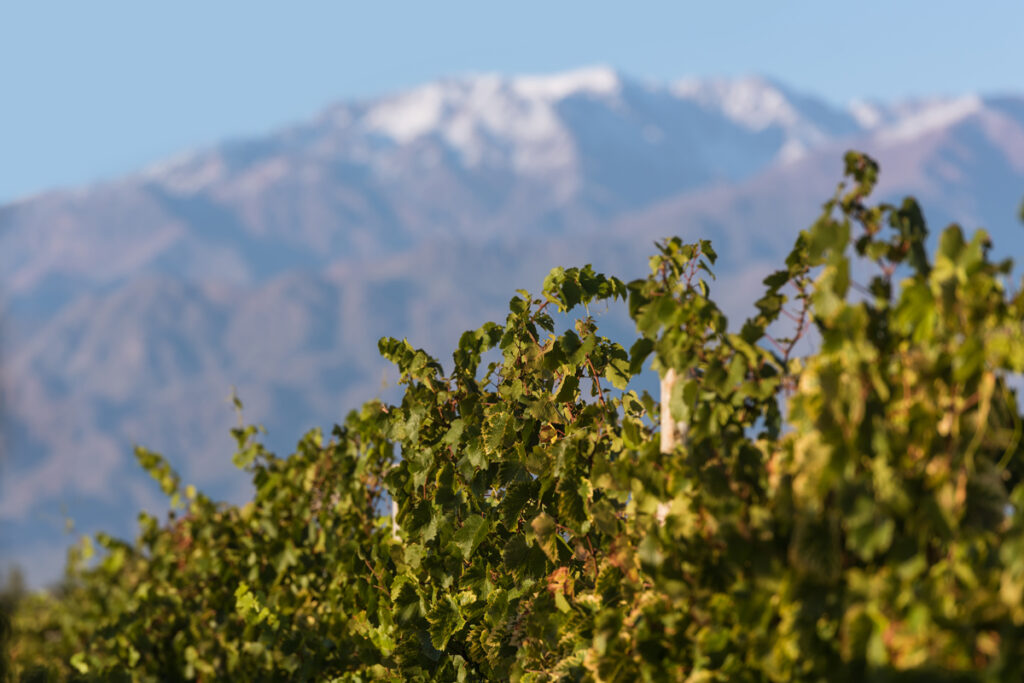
[[274, 264]]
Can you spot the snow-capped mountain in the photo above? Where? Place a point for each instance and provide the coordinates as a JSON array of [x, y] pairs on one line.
[[275, 263]]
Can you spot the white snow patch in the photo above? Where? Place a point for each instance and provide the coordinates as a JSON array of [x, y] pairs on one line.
[[596, 80], [191, 174], [406, 117], [751, 102], [793, 150], [485, 119], [866, 114], [931, 117]]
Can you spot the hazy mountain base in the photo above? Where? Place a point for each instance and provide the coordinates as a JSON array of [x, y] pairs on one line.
[[270, 265], [873, 533]]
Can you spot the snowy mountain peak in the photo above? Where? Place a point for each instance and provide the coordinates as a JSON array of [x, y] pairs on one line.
[[520, 117], [483, 118], [759, 104], [867, 114], [519, 106], [409, 115], [912, 118], [752, 101], [596, 80], [922, 118], [428, 101], [542, 126]]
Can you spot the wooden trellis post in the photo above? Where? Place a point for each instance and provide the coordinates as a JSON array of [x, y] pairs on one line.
[[668, 425]]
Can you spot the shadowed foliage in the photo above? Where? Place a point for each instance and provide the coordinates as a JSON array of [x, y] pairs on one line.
[[853, 513]]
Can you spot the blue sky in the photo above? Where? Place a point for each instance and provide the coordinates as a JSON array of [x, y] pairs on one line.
[[91, 90]]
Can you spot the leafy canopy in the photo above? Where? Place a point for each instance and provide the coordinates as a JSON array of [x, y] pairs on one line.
[[852, 513]]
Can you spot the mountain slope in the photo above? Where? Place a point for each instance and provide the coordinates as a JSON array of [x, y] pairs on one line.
[[274, 264]]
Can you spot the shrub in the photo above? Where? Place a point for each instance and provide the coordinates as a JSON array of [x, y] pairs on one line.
[[852, 513]]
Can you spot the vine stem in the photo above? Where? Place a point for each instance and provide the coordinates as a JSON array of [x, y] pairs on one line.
[[597, 382]]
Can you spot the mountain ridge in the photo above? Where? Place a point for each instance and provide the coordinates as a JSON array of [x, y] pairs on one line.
[[275, 262]]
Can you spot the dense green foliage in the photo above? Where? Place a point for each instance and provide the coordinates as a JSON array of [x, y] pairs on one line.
[[848, 514]]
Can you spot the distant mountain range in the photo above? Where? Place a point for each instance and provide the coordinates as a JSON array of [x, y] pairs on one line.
[[274, 264]]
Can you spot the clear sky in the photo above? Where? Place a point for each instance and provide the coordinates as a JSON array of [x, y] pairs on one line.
[[91, 90]]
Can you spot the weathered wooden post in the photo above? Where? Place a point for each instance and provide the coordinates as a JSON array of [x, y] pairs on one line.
[[668, 425]]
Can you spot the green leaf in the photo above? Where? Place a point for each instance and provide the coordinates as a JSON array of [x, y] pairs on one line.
[[618, 372], [567, 390], [78, 661], [515, 500], [638, 353], [474, 530], [571, 506], [515, 551], [454, 434], [445, 620], [496, 434], [543, 526], [414, 554]]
